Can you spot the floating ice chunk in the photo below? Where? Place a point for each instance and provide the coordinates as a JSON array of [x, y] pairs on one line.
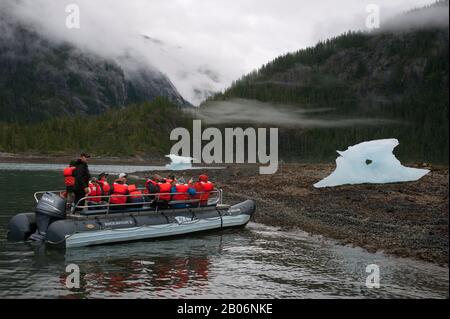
[[179, 163], [370, 162]]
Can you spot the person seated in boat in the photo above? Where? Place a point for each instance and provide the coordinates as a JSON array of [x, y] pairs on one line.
[[95, 191], [171, 179], [119, 192], [136, 197], [103, 183], [69, 181], [152, 186], [182, 192], [203, 187], [164, 197]]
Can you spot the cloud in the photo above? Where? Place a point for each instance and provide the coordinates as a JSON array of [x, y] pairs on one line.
[[202, 45], [429, 17]]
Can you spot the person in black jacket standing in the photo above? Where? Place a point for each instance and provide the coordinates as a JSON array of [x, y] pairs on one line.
[[82, 177]]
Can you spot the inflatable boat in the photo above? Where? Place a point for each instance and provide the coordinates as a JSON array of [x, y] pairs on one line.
[[88, 224]]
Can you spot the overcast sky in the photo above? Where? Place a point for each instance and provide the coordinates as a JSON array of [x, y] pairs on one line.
[[205, 44]]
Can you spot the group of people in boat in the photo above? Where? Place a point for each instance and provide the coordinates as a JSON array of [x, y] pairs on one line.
[[168, 192]]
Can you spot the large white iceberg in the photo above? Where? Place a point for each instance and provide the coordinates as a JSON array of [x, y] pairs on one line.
[[179, 163], [370, 162]]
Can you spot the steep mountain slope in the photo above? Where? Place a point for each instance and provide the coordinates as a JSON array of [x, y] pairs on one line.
[[399, 72], [40, 79]]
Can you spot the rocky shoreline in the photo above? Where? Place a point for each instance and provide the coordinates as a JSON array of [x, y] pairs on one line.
[[402, 219]]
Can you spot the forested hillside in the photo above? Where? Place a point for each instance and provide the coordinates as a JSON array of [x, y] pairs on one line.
[[141, 129], [399, 74]]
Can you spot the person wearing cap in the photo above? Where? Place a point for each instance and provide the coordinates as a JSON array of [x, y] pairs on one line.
[[103, 183], [82, 177]]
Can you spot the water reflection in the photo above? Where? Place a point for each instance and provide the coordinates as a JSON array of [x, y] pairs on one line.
[[152, 268]]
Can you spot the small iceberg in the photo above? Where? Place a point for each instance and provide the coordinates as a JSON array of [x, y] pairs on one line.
[[179, 163], [370, 162]]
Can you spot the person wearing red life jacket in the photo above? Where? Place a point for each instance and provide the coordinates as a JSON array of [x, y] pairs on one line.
[[170, 179], [119, 192], [182, 191], [135, 196], [152, 186], [103, 183], [164, 196], [94, 191], [203, 188], [69, 181]]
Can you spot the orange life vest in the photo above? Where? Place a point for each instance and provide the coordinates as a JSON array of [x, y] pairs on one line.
[[69, 179], [164, 189], [183, 190], [134, 192], [203, 189], [104, 185], [119, 192], [95, 190]]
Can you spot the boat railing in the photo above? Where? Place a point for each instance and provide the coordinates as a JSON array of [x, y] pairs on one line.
[[38, 195], [215, 197]]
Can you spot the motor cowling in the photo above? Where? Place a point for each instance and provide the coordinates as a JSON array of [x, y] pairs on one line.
[[51, 207]]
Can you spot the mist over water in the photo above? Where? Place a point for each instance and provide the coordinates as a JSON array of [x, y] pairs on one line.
[[243, 111]]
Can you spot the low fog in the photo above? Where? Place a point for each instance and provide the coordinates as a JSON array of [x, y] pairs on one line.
[[202, 45], [243, 111], [430, 17]]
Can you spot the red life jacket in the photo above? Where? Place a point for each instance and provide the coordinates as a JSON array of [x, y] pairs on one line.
[[104, 185], [150, 181], [69, 179], [119, 192], [203, 189], [134, 192], [147, 183], [164, 189], [183, 189], [95, 190]]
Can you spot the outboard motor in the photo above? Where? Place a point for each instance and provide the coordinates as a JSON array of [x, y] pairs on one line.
[[50, 208]]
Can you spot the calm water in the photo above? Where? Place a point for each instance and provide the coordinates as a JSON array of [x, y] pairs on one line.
[[255, 262]]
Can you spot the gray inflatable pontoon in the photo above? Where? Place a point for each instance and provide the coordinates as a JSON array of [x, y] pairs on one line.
[[104, 224]]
